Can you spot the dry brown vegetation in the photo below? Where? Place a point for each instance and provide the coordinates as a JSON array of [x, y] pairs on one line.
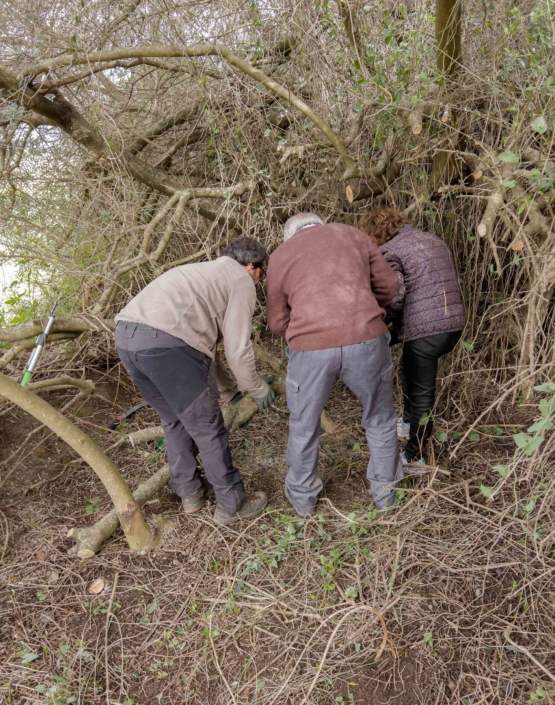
[[142, 134]]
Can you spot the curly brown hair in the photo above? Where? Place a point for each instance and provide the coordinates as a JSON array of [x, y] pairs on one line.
[[381, 224]]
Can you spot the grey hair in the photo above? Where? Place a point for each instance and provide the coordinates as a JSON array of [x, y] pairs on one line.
[[299, 221]]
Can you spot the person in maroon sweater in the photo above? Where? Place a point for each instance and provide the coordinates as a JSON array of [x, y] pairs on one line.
[[327, 286], [427, 316]]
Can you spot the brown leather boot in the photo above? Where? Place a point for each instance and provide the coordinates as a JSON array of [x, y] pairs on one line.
[[194, 503], [252, 507]]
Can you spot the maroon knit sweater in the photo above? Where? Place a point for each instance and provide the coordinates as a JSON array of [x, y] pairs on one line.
[[327, 286]]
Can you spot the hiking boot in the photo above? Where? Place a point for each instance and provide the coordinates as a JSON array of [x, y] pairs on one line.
[[304, 513], [252, 507], [193, 503], [403, 429]]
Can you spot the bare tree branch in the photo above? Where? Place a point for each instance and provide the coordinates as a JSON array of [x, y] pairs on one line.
[[160, 51]]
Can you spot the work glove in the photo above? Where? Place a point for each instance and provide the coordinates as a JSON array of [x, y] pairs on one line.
[[268, 399]]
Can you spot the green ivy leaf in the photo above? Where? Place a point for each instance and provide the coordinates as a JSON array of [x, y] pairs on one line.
[[468, 345], [547, 406], [548, 387], [530, 506], [539, 125], [534, 444], [160, 443], [509, 183], [508, 157], [474, 436], [441, 436], [92, 505], [486, 491], [522, 439], [527, 443], [502, 470], [545, 424], [26, 656]]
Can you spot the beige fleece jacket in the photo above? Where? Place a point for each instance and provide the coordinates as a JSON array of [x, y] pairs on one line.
[[201, 304]]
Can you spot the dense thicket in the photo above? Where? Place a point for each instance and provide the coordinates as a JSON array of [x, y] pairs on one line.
[[146, 133], [114, 118]]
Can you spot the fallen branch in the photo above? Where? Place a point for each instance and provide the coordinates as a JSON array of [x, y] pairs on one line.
[[29, 344], [494, 203], [136, 530], [89, 540], [143, 435], [70, 324], [424, 108], [86, 386]]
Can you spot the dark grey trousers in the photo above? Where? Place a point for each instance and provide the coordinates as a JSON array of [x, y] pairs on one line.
[[365, 368], [175, 379]]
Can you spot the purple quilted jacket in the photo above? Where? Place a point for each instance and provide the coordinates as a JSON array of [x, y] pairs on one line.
[[431, 302]]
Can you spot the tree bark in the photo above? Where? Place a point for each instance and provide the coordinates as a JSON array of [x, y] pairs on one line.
[[448, 35], [136, 530]]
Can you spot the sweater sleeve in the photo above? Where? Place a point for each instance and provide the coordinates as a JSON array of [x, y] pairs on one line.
[[277, 309], [236, 330], [383, 280]]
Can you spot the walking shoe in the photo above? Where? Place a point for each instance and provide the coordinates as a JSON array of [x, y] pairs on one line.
[[403, 429], [389, 504], [414, 461], [252, 506], [303, 513], [193, 503]]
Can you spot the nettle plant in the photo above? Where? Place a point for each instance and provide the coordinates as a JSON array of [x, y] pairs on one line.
[[528, 443]]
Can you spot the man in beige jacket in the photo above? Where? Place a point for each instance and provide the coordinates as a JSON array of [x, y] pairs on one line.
[[166, 338]]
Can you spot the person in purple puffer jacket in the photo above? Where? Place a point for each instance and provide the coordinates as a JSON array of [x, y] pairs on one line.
[[427, 316]]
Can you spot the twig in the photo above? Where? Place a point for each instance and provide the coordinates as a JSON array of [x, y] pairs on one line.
[[106, 630], [524, 650]]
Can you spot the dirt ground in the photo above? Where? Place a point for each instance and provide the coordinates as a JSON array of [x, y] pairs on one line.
[[448, 599]]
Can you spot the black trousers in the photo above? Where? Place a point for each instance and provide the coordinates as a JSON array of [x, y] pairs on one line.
[[419, 365]]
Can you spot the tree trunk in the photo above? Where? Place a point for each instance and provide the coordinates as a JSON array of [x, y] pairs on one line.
[[136, 530], [448, 35]]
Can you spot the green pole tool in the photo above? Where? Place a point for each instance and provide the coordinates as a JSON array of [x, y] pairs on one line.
[[39, 347]]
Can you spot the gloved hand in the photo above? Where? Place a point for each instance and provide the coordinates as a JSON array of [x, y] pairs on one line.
[[268, 399]]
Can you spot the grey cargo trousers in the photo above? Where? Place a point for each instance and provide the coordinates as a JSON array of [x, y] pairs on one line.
[[366, 369], [176, 380]]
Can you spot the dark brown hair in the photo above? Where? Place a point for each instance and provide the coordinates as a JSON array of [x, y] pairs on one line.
[[381, 224], [245, 250]]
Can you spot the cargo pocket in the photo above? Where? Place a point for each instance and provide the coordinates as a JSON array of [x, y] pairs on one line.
[[292, 391]]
